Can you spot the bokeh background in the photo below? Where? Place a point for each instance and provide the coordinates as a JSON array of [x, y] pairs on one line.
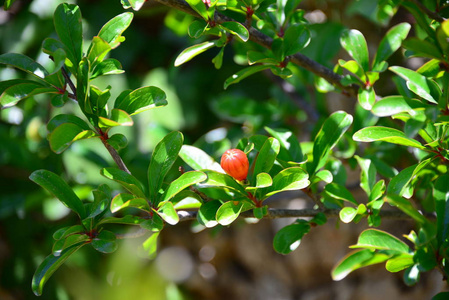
[[237, 262]]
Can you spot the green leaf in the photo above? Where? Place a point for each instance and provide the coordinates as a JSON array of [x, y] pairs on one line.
[[192, 51], [118, 118], [259, 57], [185, 180], [330, 133], [7, 4], [339, 192], [228, 212], [417, 83], [262, 180], [24, 63], [15, 93], [423, 48], [153, 224], [218, 179], [354, 43], [141, 99], [441, 296], [199, 7], [347, 214], [375, 239], [294, 178], [267, 156], [99, 99], [51, 45], [411, 275], [401, 183], [164, 155], [68, 25], [237, 29], [197, 159], [108, 66], [441, 196], [127, 220], [430, 68], [64, 232], [187, 199], [121, 201], [288, 238], [442, 36], [368, 174], [64, 118], [9, 83], [197, 28], [118, 141], [377, 191], [105, 242], [386, 134], [390, 43], [218, 59], [60, 189], [168, 212], [296, 38], [242, 74], [392, 105], [128, 181], [366, 97], [355, 68], [356, 260], [260, 212], [112, 31], [97, 50], [399, 263], [50, 264], [150, 245], [323, 175], [83, 86], [207, 213], [406, 207], [290, 149], [67, 133]]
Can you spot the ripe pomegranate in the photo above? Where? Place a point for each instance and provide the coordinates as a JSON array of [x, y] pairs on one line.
[[235, 163]]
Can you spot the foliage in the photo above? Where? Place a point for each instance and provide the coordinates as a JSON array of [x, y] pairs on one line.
[[398, 142]]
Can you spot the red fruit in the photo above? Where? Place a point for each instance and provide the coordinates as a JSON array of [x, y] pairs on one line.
[[235, 163]]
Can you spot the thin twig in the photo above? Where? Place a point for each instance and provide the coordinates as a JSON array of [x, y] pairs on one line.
[[69, 82], [115, 156], [428, 12], [276, 213], [266, 41]]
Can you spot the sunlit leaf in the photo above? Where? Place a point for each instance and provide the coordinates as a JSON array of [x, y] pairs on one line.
[[67, 133], [50, 264], [288, 238], [112, 31], [386, 134], [163, 158], [189, 53], [60, 189]]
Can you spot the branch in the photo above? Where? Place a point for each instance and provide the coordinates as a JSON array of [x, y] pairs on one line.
[[115, 156], [266, 41], [70, 83], [428, 12], [275, 213]]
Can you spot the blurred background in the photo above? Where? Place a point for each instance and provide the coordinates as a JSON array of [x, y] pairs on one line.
[[237, 262]]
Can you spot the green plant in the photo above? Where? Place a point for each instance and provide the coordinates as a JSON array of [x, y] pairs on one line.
[[412, 122]]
